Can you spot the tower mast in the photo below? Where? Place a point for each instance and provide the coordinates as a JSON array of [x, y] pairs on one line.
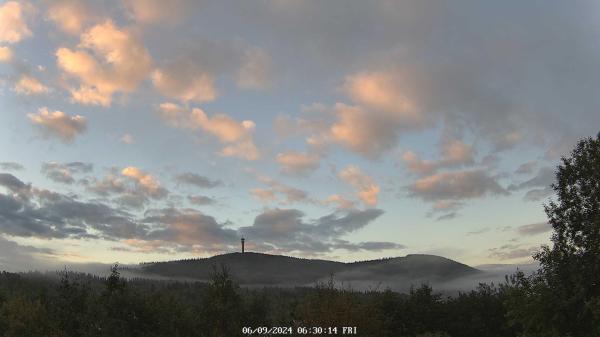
[[243, 240]]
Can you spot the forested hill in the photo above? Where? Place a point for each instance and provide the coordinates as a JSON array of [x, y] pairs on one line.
[[265, 269]]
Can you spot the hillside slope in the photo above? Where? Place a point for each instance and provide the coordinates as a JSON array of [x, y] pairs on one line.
[[265, 269]]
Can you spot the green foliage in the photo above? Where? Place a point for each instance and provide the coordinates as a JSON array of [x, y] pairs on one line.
[[222, 310], [86, 305], [562, 298]]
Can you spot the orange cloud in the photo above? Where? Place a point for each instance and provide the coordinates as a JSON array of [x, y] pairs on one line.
[[149, 183], [298, 163], [235, 136], [6, 54], [381, 91], [361, 131], [367, 189], [185, 84], [340, 201], [13, 26], [70, 16], [29, 85], [108, 60], [58, 124], [289, 194]]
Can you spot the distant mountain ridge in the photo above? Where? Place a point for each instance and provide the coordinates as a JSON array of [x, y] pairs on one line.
[[265, 269]]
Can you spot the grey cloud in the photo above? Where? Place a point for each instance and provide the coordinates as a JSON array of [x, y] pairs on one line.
[[478, 69], [58, 124], [538, 194], [369, 245], [447, 216], [197, 180], [46, 214], [11, 166], [526, 168], [200, 61], [510, 252], [189, 227], [63, 172], [277, 190], [480, 231], [201, 200], [539, 186], [286, 230], [533, 229], [544, 178], [125, 191], [107, 186], [12, 183], [456, 186]]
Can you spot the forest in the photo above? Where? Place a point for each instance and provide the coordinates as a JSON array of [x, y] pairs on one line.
[[561, 299]]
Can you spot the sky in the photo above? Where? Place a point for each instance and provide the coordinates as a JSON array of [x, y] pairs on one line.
[[136, 131]]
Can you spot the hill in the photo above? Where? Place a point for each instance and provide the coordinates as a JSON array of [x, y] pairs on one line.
[[265, 269]]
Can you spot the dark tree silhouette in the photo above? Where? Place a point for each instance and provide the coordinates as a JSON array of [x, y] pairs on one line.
[[563, 297]]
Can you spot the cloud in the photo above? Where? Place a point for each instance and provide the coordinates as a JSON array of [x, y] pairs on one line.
[[447, 216], [200, 63], [107, 60], [71, 16], [359, 131], [293, 162], [13, 25], [539, 186], [63, 173], [189, 227], [131, 187], [201, 200], [380, 111], [185, 82], [381, 92], [58, 124], [479, 231], [513, 252], [277, 189], [31, 212], [340, 201], [534, 229], [6, 54], [254, 72], [11, 166], [264, 194], [127, 139], [12, 183], [197, 180], [155, 11], [453, 153], [367, 189], [108, 186], [41, 213], [29, 85], [455, 186], [145, 182], [235, 136], [526, 168], [285, 230]]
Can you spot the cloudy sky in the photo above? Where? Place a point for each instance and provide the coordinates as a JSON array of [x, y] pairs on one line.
[[349, 130]]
